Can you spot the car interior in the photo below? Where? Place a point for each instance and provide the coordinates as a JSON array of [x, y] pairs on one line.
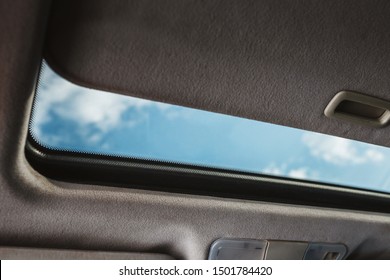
[[310, 65]]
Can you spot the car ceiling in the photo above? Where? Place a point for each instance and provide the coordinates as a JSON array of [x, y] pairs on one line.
[[179, 52], [275, 61]]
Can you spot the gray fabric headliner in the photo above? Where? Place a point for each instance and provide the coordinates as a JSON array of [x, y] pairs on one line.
[[36, 212], [16, 253], [272, 60]]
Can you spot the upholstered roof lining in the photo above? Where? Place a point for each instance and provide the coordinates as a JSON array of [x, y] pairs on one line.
[[271, 60]]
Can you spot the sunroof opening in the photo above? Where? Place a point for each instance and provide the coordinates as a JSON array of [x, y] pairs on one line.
[[68, 117]]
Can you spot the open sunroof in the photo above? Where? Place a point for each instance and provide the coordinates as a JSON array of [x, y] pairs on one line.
[[68, 117]]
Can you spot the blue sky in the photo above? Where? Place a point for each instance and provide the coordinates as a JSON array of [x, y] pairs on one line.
[[70, 117]]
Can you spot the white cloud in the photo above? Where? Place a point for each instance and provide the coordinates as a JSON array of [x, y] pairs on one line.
[[374, 155], [273, 170], [100, 109], [340, 151], [284, 171], [85, 106], [299, 173]]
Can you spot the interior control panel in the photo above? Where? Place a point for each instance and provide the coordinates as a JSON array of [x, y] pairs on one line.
[[252, 249]]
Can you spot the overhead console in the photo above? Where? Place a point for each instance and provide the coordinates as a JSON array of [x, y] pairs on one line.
[[252, 249]]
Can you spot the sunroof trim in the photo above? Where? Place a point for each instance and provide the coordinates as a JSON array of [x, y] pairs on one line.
[[38, 152], [111, 171]]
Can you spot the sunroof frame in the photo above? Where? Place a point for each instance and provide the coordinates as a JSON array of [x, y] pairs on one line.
[[142, 174], [127, 172]]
